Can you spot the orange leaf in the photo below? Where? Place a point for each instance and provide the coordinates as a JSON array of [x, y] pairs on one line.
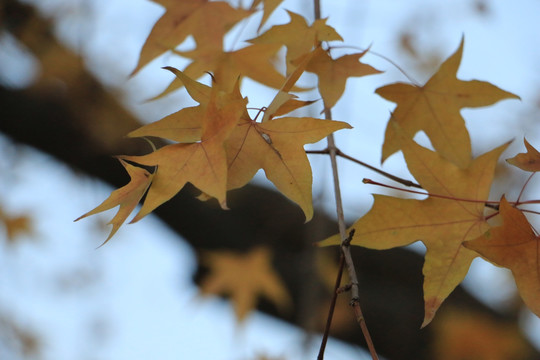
[[514, 245], [206, 21], [127, 197], [441, 223], [435, 109], [204, 163], [277, 146], [333, 73], [244, 277], [529, 161]]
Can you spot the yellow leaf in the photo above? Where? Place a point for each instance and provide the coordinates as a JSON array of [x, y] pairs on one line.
[[435, 109], [253, 61], [277, 147], [442, 221], [204, 163], [529, 161], [297, 36], [206, 21], [515, 246], [127, 197], [268, 8], [244, 277], [333, 73]]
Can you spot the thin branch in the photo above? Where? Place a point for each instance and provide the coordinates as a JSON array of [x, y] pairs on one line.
[[326, 333], [374, 53], [345, 248], [523, 188], [489, 203], [370, 167]]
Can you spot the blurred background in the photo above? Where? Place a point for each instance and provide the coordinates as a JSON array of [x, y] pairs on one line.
[[66, 102]]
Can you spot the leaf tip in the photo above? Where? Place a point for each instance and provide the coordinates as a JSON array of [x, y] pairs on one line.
[[431, 307]]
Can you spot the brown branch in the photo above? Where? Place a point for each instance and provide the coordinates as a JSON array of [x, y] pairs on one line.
[[366, 165]]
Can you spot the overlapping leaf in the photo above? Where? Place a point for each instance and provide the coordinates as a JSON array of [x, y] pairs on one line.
[[298, 37], [206, 21], [244, 277], [435, 109], [204, 163], [441, 222], [252, 61], [333, 73], [514, 245], [275, 145], [529, 161], [127, 197], [268, 8]]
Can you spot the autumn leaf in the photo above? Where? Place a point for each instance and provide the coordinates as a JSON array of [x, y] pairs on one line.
[[268, 8], [183, 126], [333, 73], [529, 161], [244, 277], [15, 225], [297, 36], [435, 109], [204, 163], [127, 197], [277, 147], [516, 246], [443, 221], [253, 61], [207, 22], [466, 334]]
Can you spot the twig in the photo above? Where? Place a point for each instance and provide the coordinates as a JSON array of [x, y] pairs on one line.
[[370, 167], [345, 248], [326, 333]]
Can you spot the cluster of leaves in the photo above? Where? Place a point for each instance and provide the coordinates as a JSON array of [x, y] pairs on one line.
[[218, 146]]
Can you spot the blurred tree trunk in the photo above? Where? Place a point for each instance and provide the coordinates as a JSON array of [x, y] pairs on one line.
[[69, 115]]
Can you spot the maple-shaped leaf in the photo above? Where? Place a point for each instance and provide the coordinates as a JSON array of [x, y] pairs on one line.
[[442, 221], [516, 246], [297, 36], [333, 73], [253, 61], [268, 8], [529, 161], [244, 277], [203, 164], [277, 147], [207, 22], [127, 197], [185, 125], [435, 109]]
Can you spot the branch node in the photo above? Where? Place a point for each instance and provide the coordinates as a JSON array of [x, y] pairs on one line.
[[347, 241]]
